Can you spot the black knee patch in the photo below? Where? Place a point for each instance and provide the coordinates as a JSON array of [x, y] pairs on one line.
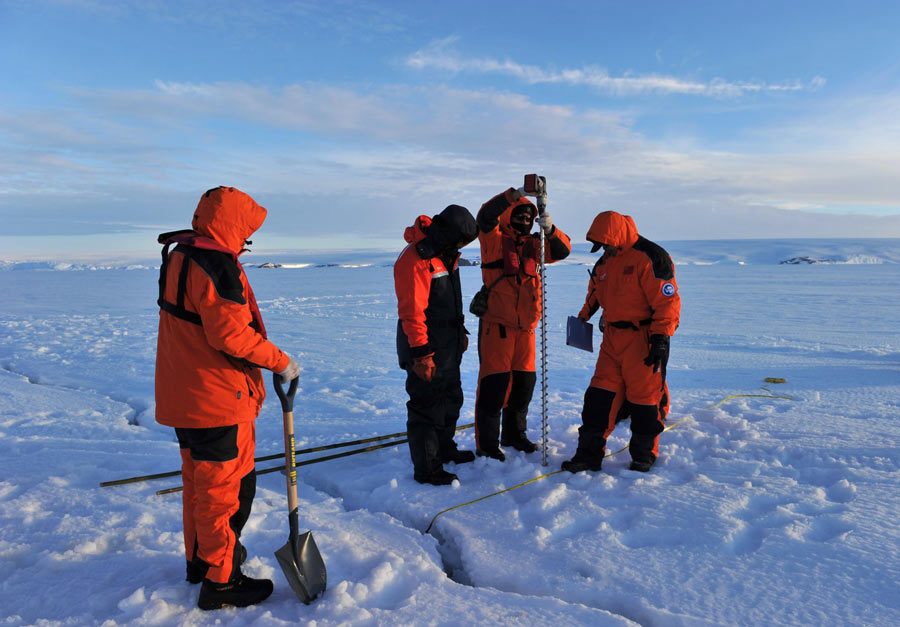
[[522, 389], [597, 406], [492, 393], [645, 420]]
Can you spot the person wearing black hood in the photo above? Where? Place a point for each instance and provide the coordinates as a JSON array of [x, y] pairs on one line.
[[431, 338]]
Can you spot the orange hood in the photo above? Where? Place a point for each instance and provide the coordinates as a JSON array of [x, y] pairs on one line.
[[229, 216], [416, 232], [614, 229], [504, 218]]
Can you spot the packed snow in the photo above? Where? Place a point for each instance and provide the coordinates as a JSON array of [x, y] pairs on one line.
[[771, 503]]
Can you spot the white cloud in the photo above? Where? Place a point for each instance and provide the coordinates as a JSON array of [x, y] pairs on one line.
[[440, 55], [400, 151]]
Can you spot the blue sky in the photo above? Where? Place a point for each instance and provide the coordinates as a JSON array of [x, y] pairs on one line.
[[348, 119]]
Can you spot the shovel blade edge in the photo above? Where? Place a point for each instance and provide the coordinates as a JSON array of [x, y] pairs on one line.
[[303, 567]]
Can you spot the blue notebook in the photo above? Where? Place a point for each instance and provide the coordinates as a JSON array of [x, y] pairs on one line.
[[580, 334]]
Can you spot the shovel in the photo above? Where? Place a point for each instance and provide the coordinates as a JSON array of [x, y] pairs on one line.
[[300, 559]]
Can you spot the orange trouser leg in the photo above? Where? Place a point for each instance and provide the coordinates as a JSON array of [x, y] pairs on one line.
[[505, 374], [220, 483], [621, 364]]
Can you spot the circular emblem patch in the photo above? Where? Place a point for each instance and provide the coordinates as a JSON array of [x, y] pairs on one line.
[[668, 289]]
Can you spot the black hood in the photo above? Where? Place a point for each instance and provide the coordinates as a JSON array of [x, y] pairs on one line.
[[447, 228]]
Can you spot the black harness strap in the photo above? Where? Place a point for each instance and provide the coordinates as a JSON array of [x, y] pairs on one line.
[[178, 309]]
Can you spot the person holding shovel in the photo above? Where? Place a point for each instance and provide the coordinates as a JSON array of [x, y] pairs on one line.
[[210, 348], [431, 339], [510, 255], [634, 283]]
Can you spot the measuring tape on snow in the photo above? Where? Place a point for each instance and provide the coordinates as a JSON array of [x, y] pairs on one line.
[[556, 472]]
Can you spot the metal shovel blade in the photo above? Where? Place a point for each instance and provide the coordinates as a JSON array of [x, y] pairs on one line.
[[303, 566]]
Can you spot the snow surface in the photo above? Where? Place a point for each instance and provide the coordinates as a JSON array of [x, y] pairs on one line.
[[759, 511]]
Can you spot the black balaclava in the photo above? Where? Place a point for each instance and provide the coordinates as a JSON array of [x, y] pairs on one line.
[[522, 229]]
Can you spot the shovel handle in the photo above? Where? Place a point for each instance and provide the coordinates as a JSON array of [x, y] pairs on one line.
[[290, 463], [286, 398]]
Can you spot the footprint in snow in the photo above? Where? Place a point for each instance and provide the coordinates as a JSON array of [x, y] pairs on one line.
[[841, 492]]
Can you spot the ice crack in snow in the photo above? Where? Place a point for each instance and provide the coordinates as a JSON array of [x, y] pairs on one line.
[[132, 414]]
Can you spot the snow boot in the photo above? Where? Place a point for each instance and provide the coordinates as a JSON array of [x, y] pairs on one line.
[[520, 442], [436, 477], [196, 570], [591, 441], [457, 456], [580, 463], [493, 453], [241, 592], [640, 466]]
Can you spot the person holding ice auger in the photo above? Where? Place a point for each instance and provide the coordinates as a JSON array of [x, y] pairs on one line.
[[210, 348], [634, 283], [431, 339], [510, 256]]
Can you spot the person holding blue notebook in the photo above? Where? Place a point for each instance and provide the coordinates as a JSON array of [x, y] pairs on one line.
[[634, 283]]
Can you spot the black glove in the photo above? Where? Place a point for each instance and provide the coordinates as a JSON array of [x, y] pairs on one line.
[[659, 352]]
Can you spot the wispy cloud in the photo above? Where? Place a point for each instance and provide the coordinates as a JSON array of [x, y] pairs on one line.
[[441, 55], [403, 150]]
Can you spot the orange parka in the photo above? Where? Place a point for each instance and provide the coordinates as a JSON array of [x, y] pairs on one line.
[[515, 299], [636, 285], [211, 342]]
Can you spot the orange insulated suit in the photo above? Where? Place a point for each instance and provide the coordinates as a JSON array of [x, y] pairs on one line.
[[506, 341], [211, 346], [634, 284]]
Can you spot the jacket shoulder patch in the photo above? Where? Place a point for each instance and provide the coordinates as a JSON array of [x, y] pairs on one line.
[[660, 260], [221, 270]]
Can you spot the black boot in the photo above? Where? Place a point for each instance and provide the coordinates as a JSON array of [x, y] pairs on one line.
[[594, 420], [582, 462], [641, 465], [453, 454], [436, 477], [520, 442], [197, 569], [241, 592], [493, 453]]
